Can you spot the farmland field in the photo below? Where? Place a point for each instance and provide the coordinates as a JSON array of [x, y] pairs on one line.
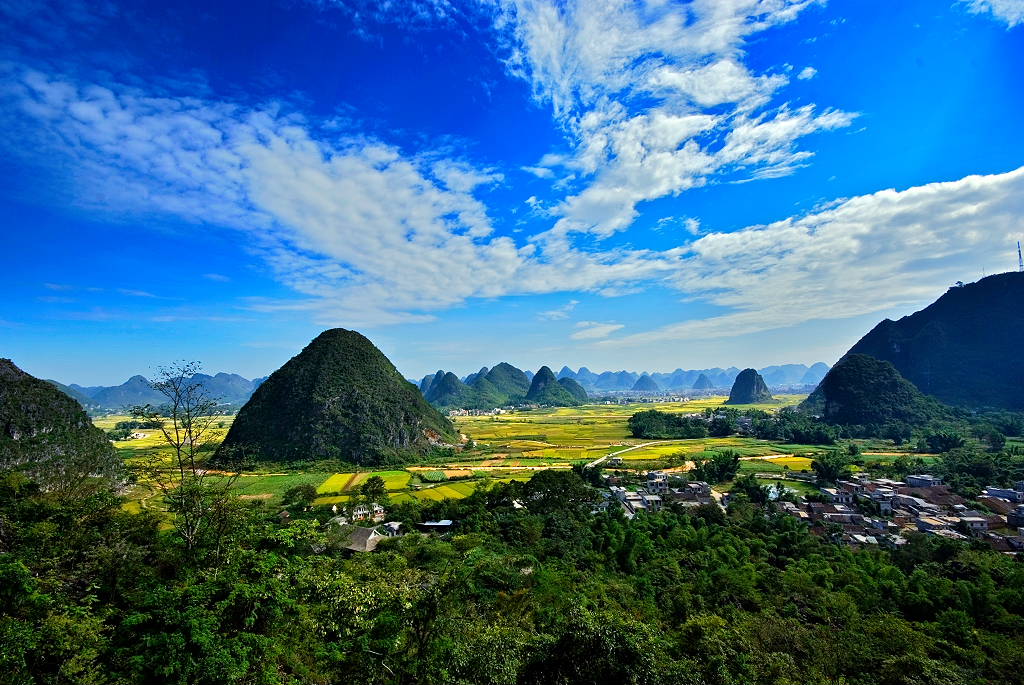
[[510, 446]]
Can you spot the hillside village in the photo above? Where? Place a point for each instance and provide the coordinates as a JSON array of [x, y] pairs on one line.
[[861, 511]]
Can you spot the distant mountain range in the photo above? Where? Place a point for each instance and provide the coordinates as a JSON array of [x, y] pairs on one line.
[[505, 384], [692, 379], [229, 388], [483, 389]]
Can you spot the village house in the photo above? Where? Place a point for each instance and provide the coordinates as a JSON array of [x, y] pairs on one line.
[[1015, 496], [923, 481], [834, 495], [360, 538]]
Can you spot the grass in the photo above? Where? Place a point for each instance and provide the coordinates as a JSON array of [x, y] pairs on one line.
[[336, 483]]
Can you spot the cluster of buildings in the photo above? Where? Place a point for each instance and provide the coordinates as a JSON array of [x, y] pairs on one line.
[[867, 511], [657, 490], [452, 413], [859, 512]]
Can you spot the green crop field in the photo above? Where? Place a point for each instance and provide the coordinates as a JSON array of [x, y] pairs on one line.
[[272, 487], [336, 483], [508, 447]]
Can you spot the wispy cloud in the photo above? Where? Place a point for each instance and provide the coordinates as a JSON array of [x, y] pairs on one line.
[[220, 278], [1009, 11], [865, 254], [562, 312], [683, 62], [594, 330], [131, 292], [807, 73], [362, 232]]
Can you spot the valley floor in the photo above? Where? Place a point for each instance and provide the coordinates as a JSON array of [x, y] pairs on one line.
[[514, 446]]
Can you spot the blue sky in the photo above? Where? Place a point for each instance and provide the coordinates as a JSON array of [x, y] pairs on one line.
[[640, 185]]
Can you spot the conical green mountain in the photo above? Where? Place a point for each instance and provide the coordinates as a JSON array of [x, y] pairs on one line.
[[861, 390], [509, 380], [340, 398], [47, 435], [545, 389], [449, 391], [487, 394], [749, 388], [578, 392], [468, 380]]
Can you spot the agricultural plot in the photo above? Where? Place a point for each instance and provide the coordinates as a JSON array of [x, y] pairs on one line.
[[338, 482], [272, 487], [775, 465], [585, 433]]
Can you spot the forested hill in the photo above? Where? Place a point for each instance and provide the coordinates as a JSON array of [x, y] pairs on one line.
[[340, 398], [863, 391], [965, 348], [533, 589], [46, 435]]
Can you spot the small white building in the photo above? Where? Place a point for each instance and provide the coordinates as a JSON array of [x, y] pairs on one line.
[[836, 496]]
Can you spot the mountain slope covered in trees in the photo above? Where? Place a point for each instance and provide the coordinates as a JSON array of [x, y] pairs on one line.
[[863, 391], [964, 348], [47, 435], [340, 398]]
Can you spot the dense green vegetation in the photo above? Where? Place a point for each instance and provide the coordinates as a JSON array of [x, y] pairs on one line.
[[341, 399], [866, 395], [577, 391], [47, 434], [963, 348], [488, 388], [546, 390], [659, 425], [545, 594]]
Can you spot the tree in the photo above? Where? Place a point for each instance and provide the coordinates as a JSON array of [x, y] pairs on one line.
[[754, 491], [831, 467], [943, 441], [199, 499], [718, 468], [722, 426], [374, 490], [300, 495]]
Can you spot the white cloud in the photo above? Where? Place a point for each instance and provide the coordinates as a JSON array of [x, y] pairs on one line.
[[594, 330], [807, 73], [647, 91], [560, 312], [865, 254], [366, 234], [220, 278], [1009, 11], [539, 171]]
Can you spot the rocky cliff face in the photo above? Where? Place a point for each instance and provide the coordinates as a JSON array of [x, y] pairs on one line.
[[749, 388]]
